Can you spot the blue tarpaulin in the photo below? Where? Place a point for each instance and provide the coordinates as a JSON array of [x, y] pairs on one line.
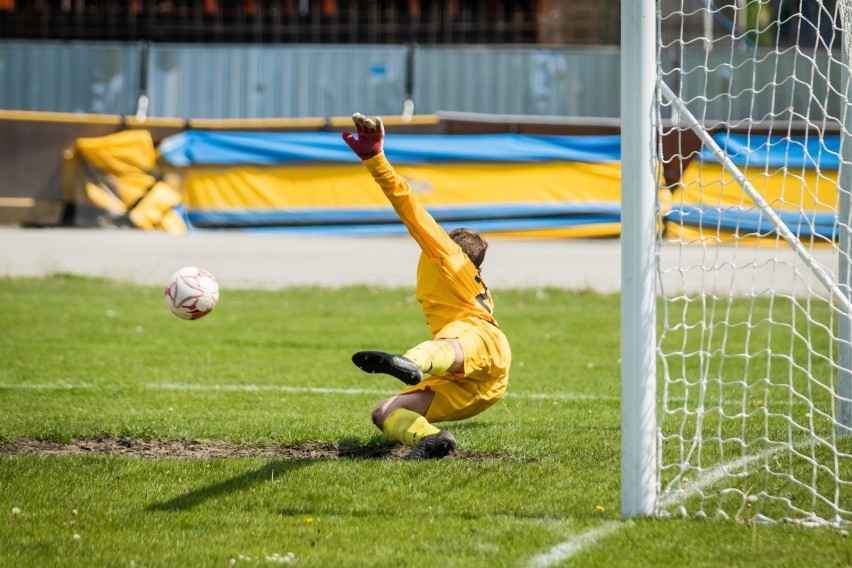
[[241, 148], [778, 151]]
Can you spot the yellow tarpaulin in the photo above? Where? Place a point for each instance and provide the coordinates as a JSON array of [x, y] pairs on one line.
[[113, 182]]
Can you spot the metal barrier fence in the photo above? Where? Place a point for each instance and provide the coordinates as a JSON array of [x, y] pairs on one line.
[[69, 77], [273, 81], [295, 81], [214, 81]]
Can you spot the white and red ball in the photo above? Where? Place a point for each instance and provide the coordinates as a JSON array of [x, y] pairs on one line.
[[192, 293]]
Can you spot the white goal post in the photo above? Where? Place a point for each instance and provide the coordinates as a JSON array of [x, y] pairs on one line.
[[736, 271], [638, 241]]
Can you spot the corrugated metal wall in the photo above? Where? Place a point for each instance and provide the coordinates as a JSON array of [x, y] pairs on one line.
[[99, 78], [193, 81], [731, 86], [273, 82], [256, 81], [529, 81]]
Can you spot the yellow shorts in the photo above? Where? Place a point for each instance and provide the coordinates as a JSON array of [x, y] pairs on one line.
[[483, 380]]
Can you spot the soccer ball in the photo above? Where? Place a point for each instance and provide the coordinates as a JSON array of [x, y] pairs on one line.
[[192, 293]]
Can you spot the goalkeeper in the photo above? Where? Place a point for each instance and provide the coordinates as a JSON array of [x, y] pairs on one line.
[[464, 369]]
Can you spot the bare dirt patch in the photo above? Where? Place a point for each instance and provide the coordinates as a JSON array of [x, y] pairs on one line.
[[152, 449]]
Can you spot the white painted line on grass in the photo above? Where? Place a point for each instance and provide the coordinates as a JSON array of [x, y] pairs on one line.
[[44, 386], [329, 390], [710, 476], [588, 538], [261, 388], [194, 387], [550, 396], [230, 387], [563, 396], [565, 550]]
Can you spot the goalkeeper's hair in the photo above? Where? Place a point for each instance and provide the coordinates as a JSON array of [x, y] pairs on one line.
[[472, 243]]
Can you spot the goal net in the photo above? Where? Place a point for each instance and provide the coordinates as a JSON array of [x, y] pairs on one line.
[[754, 417]]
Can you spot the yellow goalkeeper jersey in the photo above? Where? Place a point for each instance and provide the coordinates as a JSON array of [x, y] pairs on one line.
[[449, 286]]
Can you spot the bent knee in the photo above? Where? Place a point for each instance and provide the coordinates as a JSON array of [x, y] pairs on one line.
[[418, 402], [380, 413], [378, 418]]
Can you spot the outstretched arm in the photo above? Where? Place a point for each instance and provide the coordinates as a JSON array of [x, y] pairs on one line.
[[368, 145]]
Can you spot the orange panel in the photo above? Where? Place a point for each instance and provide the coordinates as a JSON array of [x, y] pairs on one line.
[[453, 7], [328, 7]]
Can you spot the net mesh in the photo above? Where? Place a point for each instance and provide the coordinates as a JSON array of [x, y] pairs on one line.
[[753, 262], [844, 9]]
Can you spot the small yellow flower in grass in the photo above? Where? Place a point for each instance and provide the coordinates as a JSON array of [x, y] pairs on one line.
[[16, 511], [600, 508], [310, 520], [76, 536]]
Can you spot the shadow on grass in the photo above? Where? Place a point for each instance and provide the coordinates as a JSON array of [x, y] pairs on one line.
[[279, 468], [307, 454], [242, 482]]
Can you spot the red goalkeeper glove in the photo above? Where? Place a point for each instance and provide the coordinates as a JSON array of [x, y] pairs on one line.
[[371, 133]]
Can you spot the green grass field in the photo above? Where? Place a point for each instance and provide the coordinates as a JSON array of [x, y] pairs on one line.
[[535, 481]]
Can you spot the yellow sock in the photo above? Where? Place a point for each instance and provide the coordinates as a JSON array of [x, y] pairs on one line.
[[433, 357], [407, 427]]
